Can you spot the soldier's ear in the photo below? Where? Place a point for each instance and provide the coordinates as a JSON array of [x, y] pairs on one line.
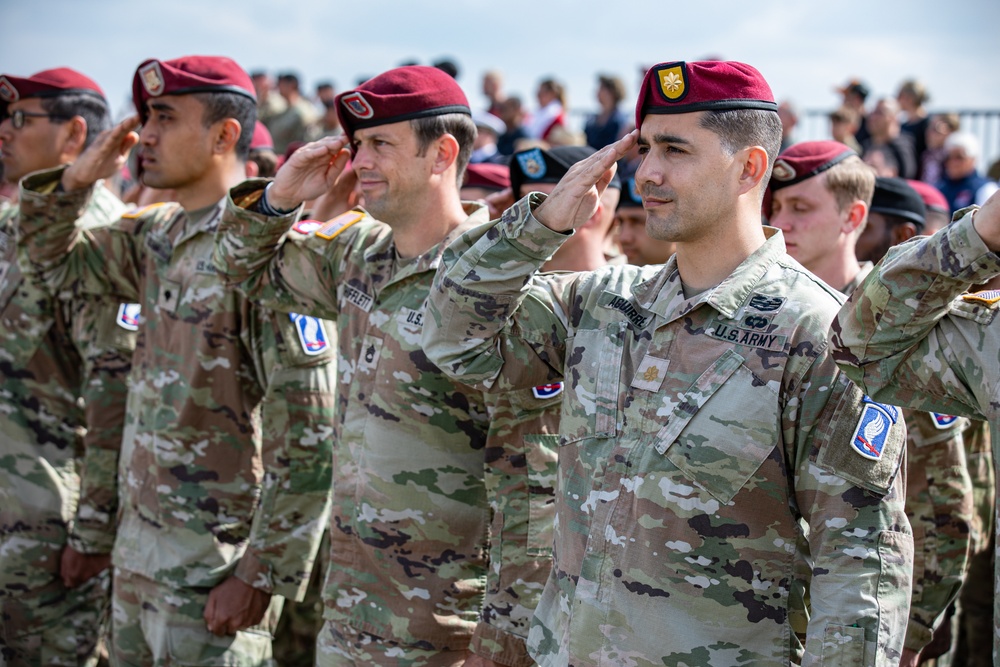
[[74, 138], [903, 232], [446, 153], [754, 162], [227, 135]]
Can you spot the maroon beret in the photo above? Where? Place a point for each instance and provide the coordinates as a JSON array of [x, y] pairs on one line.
[[404, 93], [261, 137], [682, 87], [190, 74], [933, 199], [47, 83], [487, 175], [806, 159]]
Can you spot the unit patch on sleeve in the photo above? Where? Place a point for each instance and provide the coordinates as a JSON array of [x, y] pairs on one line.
[[943, 422], [312, 334], [129, 316], [872, 431], [544, 391]]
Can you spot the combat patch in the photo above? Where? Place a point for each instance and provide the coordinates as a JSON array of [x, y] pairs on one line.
[[312, 334], [334, 227], [943, 422], [749, 337], [360, 299], [129, 316], [544, 391], [650, 374], [625, 307], [872, 431]]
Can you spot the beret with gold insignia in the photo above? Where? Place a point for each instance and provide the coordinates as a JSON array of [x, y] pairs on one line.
[[685, 87]]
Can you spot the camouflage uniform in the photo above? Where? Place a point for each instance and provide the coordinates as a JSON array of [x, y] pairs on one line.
[[442, 495], [58, 454], [225, 464], [700, 440], [939, 505], [911, 337]]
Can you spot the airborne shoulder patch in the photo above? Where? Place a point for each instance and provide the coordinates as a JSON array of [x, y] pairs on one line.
[[312, 334], [138, 213], [943, 422], [331, 229], [872, 431], [129, 316], [544, 391]]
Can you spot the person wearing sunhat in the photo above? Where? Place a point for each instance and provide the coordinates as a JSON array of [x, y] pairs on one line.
[[539, 170], [708, 444], [223, 392], [821, 197], [442, 494], [64, 372]]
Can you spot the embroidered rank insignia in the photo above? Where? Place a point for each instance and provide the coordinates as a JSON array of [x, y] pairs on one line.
[[330, 230], [312, 335], [8, 93], [987, 297], [766, 304], [543, 391], [138, 212], [358, 106], [152, 78], [307, 227], [129, 316], [782, 171], [532, 163], [650, 374], [873, 428], [943, 421], [673, 82]]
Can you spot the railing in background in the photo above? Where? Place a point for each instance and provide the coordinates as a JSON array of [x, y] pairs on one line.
[[984, 123]]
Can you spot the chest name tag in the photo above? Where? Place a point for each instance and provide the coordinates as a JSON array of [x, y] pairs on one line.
[[358, 298], [312, 334], [650, 374], [748, 337], [411, 318], [129, 316], [626, 308]]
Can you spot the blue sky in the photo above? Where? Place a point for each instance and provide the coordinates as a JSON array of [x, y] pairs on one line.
[[804, 49]]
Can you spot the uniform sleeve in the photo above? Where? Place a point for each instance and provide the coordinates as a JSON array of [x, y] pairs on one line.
[[939, 506], [103, 261], [859, 540], [106, 350], [297, 417], [274, 267], [520, 478], [900, 337], [475, 298]]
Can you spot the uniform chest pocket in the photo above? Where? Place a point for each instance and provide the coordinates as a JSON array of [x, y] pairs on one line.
[[590, 409], [723, 428]]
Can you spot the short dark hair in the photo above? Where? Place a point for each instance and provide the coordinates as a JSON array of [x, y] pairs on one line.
[[613, 85], [221, 105], [266, 160], [458, 125], [91, 108], [740, 128], [289, 77]]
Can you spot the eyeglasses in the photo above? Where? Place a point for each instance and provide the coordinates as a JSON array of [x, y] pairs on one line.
[[17, 117]]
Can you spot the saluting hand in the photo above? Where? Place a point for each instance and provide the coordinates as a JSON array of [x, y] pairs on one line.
[[575, 198], [104, 157], [987, 222], [311, 171]]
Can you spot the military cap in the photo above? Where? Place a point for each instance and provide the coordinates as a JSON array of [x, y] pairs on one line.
[[539, 165], [261, 138], [893, 196], [47, 83], [931, 196], [487, 175], [404, 93], [630, 194], [684, 87], [805, 160], [186, 75]]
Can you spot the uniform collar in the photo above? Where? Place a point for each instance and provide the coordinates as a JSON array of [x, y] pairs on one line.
[[664, 296]]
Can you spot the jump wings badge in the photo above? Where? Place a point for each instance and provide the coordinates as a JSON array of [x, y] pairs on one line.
[[872, 431], [312, 335]]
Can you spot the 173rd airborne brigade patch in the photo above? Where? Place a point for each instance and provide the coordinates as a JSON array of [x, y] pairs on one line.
[[872, 431]]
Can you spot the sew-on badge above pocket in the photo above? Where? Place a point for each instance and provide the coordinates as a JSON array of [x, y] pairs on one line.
[[723, 429], [169, 296]]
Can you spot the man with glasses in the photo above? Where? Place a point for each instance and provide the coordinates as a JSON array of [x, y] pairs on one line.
[[58, 498]]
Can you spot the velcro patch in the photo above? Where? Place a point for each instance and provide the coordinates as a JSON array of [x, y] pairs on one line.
[[544, 391], [650, 374], [988, 297], [360, 299], [129, 316], [312, 334], [306, 227], [625, 307], [872, 431], [943, 422], [748, 337], [330, 230], [766, 304]]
